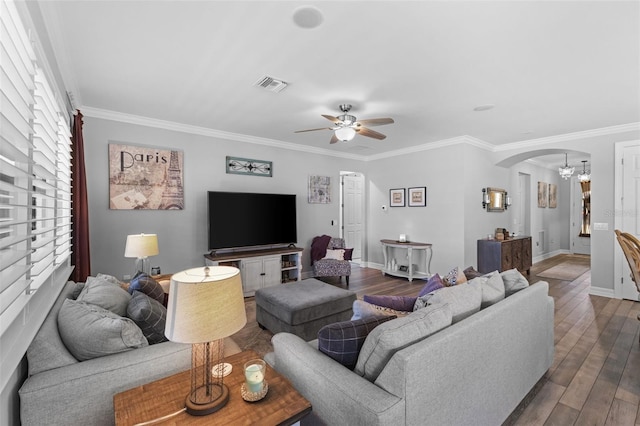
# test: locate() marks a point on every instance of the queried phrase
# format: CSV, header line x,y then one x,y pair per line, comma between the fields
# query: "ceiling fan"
x,y
346,126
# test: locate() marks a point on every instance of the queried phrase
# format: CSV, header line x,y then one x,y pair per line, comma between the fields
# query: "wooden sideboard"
x,y
514,252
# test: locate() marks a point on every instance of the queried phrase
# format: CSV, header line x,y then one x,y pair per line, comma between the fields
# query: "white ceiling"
x,y
549,67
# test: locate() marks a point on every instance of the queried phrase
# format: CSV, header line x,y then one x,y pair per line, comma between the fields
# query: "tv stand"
x,y
261,268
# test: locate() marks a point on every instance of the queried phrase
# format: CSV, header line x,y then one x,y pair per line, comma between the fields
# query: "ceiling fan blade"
x,y
334,138
376,121
332,118
363,131
313,130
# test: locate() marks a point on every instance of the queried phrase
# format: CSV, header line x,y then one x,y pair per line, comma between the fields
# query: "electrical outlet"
x,y
600,226
126,277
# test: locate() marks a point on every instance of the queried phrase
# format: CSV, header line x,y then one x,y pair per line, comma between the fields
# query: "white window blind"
x,y
35,175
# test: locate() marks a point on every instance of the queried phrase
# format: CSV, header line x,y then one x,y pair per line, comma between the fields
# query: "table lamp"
x,y
141,246
205,305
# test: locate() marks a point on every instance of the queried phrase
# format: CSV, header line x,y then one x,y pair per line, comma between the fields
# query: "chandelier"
x,y
566,172
586,174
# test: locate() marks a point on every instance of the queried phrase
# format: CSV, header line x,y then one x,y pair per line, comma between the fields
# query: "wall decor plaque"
x,y
319,189
248,166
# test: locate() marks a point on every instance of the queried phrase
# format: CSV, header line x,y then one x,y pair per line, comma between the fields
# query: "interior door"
x,y
629,220
353,212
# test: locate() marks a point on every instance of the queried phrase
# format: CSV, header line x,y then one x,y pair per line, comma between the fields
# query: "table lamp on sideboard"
x,y
205,305
141,246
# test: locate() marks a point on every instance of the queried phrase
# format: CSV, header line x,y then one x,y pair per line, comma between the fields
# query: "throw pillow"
x,y
107,295
145,284
148,314
454,277
398,303
470,273
362,309
492,288
348,254
464,299
89,331
388,338
434,283
342,341
337,254
513,281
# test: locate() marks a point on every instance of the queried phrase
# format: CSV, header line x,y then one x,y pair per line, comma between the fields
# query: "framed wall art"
x,y
247,166
396,197
319,189
543,195
417,196
145,178
553,196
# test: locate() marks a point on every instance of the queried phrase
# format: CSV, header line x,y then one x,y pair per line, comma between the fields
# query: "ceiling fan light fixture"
x,y
345,134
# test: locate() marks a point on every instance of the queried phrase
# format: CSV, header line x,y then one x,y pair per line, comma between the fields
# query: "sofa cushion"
x,y
89,331
148,314
107,295
492,288
513,281
362,310
434,283
388,338
342,341
398,303
464,299
145,284
454,277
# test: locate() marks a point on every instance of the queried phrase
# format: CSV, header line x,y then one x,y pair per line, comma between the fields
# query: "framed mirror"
x,y
496,199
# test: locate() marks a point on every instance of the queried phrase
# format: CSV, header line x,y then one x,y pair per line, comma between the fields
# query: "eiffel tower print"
x,y
173,194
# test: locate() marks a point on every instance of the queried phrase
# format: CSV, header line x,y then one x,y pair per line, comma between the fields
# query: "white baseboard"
x,y
604,292
549,255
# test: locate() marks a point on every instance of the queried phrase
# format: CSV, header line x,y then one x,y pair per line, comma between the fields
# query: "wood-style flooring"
x,y
595,376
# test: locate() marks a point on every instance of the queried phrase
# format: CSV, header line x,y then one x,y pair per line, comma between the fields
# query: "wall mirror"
x,y
494,199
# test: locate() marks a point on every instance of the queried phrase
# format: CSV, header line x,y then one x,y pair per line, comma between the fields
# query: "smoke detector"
x,y
271,84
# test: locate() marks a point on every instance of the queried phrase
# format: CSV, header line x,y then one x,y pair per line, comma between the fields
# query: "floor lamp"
x,y
205,306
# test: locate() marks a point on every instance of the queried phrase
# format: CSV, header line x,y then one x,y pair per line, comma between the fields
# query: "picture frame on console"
x,y
397,197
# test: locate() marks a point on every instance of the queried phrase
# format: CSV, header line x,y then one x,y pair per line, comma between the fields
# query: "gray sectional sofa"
x,y
63,391
473,372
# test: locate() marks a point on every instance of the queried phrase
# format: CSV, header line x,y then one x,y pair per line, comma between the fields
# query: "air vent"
x,y
271,84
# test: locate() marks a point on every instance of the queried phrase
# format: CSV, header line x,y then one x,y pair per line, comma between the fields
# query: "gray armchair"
x,y
333,267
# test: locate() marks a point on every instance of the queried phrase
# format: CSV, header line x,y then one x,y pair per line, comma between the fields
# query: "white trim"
x,y
618,259
549,255
604,292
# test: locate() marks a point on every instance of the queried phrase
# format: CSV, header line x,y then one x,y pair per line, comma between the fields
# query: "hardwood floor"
x,y
595,376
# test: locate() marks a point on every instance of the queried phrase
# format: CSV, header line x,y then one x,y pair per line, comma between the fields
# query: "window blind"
x,y
35,174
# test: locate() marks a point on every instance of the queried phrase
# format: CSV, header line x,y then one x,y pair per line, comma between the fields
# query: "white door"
x,y
353,213
579,245
629,207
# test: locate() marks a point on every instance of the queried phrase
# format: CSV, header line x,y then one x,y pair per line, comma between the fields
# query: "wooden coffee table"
x,y
283,405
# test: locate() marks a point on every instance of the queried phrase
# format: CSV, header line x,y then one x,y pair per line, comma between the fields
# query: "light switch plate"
x,y
599,226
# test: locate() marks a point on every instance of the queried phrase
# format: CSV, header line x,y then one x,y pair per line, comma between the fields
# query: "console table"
x,y
407,251
283,405
502,255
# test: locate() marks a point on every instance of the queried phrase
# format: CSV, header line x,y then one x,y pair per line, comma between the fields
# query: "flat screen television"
x,y
243,219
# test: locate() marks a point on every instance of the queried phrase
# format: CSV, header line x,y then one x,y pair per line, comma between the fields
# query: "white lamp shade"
x,y
205,304
345,134
141,245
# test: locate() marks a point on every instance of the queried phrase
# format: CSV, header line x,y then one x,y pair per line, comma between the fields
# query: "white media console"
x,y
261,268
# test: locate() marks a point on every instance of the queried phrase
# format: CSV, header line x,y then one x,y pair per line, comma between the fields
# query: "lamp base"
x,y
205,408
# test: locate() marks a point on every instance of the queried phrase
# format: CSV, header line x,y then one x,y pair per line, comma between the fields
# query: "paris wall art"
x,y
145,178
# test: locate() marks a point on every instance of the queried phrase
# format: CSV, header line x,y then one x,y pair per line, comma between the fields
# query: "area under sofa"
x,y
475,371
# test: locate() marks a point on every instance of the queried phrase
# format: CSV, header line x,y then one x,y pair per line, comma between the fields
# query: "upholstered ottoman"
x,y
303,307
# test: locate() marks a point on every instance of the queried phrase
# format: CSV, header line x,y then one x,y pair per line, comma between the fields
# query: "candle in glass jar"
x,y
254,375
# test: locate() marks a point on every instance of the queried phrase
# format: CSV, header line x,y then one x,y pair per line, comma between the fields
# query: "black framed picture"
x,y
418,196
396,197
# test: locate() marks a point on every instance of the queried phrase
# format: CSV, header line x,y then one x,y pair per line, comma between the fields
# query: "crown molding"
x,y
203,131
585,134
465,139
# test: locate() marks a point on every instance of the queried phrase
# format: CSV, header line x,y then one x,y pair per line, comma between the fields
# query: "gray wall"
x,y
182,234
